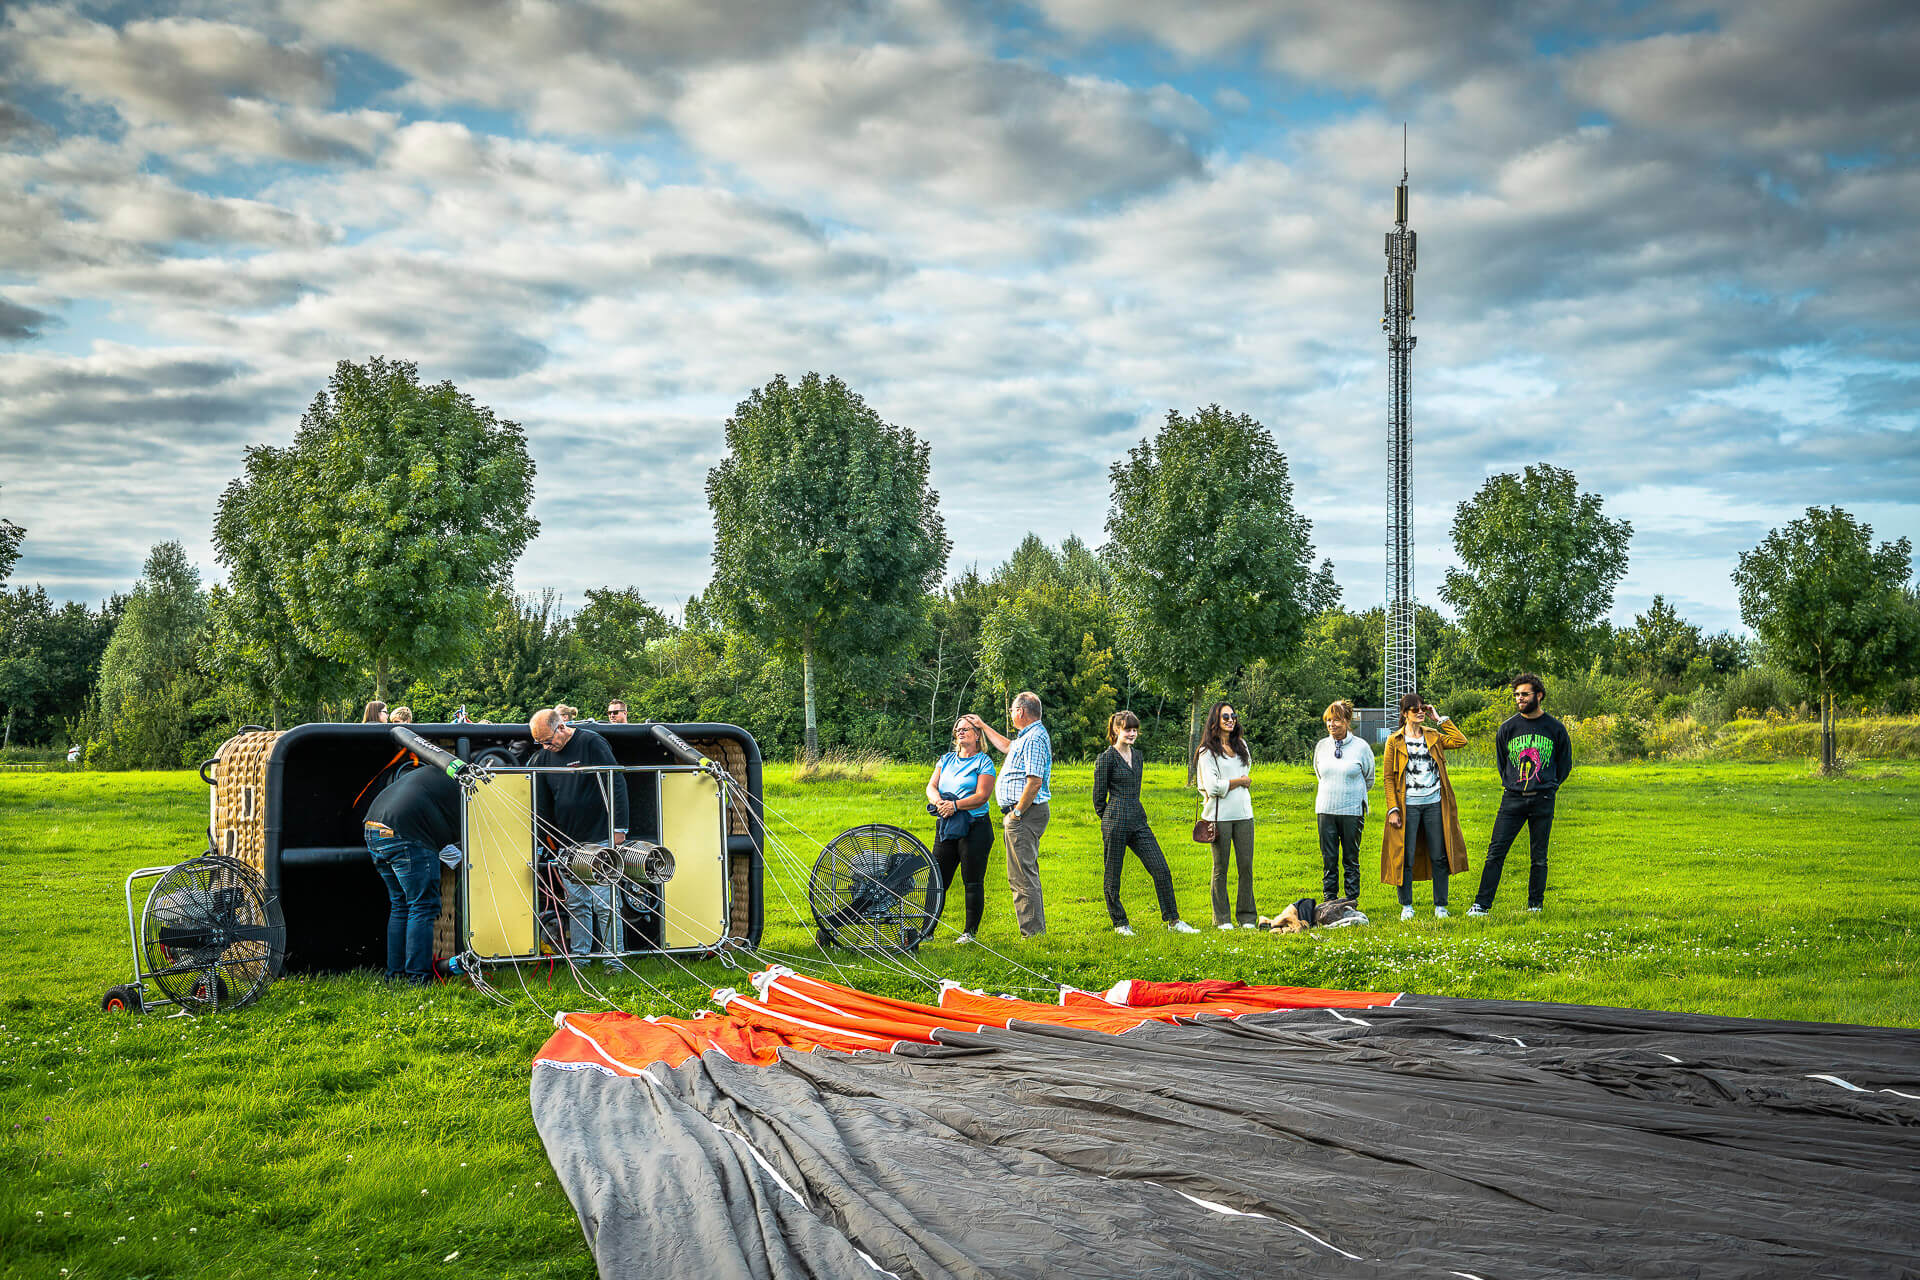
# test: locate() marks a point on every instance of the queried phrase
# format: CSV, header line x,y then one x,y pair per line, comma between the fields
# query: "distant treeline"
x,y
373,557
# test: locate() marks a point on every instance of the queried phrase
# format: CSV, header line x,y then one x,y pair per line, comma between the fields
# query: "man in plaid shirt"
x,y
1023,792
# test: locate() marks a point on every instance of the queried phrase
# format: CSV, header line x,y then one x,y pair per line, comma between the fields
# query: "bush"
x,y
1759,690
1673,706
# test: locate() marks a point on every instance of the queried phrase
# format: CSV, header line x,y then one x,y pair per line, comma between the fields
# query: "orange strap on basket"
x,y
382,769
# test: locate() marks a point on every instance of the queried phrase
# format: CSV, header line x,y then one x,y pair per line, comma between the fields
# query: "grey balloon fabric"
x,y
1433,1138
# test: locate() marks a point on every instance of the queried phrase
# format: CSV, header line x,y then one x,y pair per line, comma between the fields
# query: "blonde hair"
x,y
1338,709
979,738
1116,722
400,715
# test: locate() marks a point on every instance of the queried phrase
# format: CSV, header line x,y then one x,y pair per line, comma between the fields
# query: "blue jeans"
x,y
411,872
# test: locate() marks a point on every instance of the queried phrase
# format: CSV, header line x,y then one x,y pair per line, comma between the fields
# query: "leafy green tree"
x,y
152,675
256,649
387,522
1660,647
1212,566
11,536
1540,562
1090,700
524,658
612,632
827,536
26,614
1831,607
1012,650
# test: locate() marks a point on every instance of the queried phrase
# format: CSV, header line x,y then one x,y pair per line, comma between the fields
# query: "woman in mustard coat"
x,y
1422,839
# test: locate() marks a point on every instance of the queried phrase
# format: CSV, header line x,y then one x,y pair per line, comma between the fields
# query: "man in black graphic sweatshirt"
x,y
1534,756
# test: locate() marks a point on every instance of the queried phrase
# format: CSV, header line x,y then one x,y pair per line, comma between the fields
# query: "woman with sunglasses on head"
x,y
1223,770
957,792
1344,766
1117,775
1422,840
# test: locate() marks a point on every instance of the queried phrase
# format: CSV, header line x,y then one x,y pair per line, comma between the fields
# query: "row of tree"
x,y
375,553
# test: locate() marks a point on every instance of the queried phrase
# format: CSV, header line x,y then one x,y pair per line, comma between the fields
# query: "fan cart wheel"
x,y
121,1000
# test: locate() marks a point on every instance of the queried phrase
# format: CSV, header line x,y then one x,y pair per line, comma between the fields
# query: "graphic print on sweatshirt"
x,y
1528,756
1423,776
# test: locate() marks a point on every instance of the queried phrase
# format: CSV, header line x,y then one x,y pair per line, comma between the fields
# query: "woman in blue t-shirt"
x,y
957,791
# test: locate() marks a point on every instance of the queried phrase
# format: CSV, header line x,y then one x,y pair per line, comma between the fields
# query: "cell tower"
x,y
1397,320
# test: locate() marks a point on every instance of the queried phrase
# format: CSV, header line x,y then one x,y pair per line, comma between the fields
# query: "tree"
x,y
256,648
25,617
387,522
826,535
1212,566
152,674
1660,647
1540,561
612,632
11,535
1831,607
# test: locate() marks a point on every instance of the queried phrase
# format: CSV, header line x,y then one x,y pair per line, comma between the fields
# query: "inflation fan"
x,y
875,887
209,937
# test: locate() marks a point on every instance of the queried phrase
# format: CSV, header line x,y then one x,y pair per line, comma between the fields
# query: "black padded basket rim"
x,y
208,988
933,904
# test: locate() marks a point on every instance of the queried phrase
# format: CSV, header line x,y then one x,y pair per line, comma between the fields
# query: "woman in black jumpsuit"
x,y
1123,822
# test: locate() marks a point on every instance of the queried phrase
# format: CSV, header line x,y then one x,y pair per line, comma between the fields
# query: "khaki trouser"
x,y
1023,867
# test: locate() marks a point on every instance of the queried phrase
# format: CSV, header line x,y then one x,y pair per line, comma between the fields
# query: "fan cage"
x,y
875,887
211,937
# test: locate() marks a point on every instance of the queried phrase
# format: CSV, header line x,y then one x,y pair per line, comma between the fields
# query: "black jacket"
x,y
575,803
423,805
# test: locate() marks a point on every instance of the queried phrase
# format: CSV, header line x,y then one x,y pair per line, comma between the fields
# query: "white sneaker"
x,y
1224,928
1477,910
964,940
1441,913
1406,912
1181,926
1124,930
1246,926
1533,911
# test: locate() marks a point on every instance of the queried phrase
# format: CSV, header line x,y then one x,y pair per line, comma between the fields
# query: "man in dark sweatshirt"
x,y
576,808
1534,756
406,826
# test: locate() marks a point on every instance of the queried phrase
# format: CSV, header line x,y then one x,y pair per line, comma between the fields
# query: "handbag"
x,y
1206,829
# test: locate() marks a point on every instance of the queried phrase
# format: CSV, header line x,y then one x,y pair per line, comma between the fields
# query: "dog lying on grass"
x,y
1308,913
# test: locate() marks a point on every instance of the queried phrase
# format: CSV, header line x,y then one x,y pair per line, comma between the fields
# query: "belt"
x,y
380,827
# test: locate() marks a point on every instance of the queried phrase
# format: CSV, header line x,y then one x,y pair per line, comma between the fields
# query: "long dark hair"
x,y
1218,740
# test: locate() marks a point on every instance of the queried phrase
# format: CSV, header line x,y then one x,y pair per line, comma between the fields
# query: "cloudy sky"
x,y
1669,246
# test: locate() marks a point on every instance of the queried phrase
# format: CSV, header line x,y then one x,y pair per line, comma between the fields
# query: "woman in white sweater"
x,y
1222,770
1344,766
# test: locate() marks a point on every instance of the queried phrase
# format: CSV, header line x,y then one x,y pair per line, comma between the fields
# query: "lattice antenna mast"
x,y
1398,667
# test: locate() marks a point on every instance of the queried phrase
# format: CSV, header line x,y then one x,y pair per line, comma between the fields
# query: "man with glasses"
x,y
576,807
1023,793
616,712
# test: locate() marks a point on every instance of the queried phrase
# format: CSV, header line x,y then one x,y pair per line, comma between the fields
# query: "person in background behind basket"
x,y
1223,770
957,793
1117,776
1344,767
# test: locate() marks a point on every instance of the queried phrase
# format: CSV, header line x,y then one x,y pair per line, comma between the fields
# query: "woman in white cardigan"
x,y
1344,767
1222,770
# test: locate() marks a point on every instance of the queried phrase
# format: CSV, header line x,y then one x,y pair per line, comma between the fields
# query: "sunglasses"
x,y
1339,745
1228,716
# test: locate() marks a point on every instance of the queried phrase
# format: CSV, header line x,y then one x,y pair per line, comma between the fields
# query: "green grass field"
x,y
343,1128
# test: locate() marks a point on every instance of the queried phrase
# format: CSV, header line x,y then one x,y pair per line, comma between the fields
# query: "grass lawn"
x,y
344,1128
